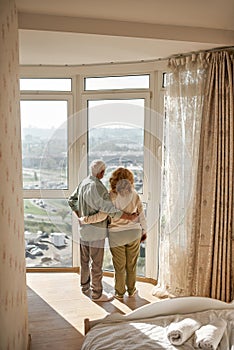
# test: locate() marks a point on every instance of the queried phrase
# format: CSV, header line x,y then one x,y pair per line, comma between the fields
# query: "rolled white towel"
x,y
210,335
179,332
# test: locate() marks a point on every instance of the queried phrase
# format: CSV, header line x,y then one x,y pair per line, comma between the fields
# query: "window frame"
x,y
78,151
55,193
52,193
117,95
123,94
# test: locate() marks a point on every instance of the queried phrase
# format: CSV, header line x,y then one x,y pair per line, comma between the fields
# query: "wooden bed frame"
x,y
88,324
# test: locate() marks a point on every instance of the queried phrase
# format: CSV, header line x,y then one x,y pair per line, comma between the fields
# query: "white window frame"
x,y
56,193
116,96
78,149
151,258
51,193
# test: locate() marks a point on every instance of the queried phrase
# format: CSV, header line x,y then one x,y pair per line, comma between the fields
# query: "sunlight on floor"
x,y
61,291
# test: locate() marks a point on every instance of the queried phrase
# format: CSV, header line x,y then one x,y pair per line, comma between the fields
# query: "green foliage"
x,y
32,208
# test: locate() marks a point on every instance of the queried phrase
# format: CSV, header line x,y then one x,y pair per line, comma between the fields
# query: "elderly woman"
x,y
124,235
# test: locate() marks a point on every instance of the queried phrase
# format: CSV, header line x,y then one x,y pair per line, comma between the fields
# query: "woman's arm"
x,y
92,219
100,216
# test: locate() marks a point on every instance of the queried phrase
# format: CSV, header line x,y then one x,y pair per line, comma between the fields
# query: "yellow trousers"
x,y
125,262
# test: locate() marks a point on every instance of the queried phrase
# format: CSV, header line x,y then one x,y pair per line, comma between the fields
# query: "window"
x,y
164,80
117,83
39,84
45,160
116,133
48,238
44,144
66,123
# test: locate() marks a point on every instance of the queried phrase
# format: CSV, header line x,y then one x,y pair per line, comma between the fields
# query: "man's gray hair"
x,y
97,166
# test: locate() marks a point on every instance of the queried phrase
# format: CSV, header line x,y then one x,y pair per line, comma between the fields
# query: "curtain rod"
x,y
223,48
134,62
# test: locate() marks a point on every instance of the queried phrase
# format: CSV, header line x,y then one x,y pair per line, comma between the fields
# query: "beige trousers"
x,y
91,260
125,261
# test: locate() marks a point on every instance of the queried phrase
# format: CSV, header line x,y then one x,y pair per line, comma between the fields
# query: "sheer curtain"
x,y
184,103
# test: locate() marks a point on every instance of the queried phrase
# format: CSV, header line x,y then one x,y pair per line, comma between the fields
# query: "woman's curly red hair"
x,y
122,180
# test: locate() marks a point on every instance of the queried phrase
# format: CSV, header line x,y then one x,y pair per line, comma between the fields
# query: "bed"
x,y
149,326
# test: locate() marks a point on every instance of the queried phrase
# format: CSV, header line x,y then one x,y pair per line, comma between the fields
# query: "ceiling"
x,y
78,32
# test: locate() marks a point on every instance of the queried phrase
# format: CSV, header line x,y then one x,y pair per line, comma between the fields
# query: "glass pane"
x,y
48,238
164,80
44,144
116,135
38,84
141,260
113,83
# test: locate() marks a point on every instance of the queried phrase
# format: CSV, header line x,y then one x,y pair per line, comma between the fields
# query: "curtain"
x,y
213,219
184,103
13,292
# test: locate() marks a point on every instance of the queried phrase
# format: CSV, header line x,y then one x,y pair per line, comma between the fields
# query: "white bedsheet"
x,y
118,332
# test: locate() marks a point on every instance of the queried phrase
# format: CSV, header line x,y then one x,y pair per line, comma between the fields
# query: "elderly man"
x,y
90,197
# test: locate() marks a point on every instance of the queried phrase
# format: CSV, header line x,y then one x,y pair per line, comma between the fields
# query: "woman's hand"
x,y
81,220
130,217
134,217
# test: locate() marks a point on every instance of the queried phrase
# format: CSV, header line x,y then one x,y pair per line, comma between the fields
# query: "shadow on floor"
x,y
133,303
48,329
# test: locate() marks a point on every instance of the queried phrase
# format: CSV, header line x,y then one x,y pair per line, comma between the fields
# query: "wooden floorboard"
x,y
57,308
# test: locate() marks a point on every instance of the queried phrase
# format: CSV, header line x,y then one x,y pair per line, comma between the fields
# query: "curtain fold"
x,y
213,220
184,103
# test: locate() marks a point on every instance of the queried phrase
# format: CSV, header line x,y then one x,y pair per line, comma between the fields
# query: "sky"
x,y
50,114
43,114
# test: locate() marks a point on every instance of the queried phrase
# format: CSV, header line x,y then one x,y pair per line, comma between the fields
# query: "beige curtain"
x,y
13,293
213,220
184,103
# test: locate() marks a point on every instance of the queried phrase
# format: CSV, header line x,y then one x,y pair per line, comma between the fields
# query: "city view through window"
x,y
115,133
48,238
44,144
48,227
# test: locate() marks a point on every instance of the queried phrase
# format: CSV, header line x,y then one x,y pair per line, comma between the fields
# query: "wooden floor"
x,y
57,309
